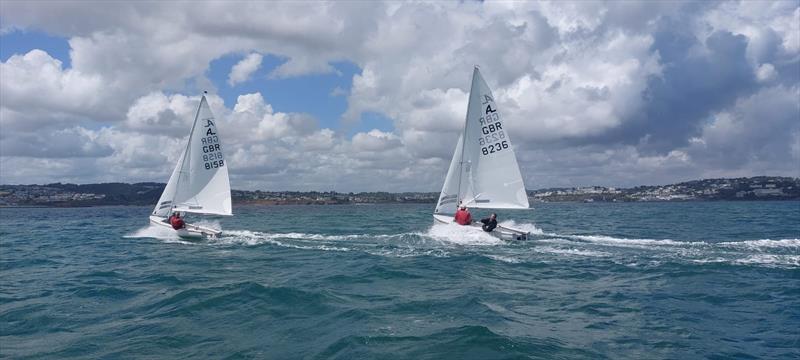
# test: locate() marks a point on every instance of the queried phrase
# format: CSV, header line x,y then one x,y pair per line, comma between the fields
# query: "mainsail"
x,y
199,183
484,171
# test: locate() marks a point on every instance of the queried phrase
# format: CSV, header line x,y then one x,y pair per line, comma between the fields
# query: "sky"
x,y
371,96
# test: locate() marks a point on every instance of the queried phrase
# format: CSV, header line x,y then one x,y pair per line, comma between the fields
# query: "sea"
x,y
685,280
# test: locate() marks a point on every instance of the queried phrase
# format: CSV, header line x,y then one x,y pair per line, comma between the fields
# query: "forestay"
x,y
484,171
199,183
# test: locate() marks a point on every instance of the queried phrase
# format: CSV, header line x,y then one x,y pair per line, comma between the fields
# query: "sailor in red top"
x,y
176,221
463,217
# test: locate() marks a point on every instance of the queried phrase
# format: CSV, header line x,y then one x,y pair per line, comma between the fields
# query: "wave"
x,y
506,259
281,301
458,342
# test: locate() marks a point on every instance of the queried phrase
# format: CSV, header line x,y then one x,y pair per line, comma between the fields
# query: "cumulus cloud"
x,y
759,131
592,93
302,66
254,120
157,113
65,143
37,82
375,140
242,71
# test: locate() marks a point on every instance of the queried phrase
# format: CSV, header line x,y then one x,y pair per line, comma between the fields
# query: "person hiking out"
x,y
489,223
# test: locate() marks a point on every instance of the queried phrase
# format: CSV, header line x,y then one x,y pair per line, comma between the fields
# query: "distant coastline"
x,y
759,188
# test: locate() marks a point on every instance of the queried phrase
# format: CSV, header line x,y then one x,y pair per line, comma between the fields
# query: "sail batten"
x,y
483,172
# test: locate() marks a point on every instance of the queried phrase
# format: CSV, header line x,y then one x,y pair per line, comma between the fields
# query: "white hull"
x,y
501,232
191,231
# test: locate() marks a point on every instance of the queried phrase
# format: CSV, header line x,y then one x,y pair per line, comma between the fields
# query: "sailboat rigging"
x,y
483,172
199,183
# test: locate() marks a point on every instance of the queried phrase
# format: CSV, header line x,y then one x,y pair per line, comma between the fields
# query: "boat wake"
x,y
157,232
780,253
753,245
167,234
390,245
448,240
461,235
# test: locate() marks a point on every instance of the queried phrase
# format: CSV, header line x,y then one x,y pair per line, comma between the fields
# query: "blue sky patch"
x,y
313,94
323,96
21,42
372,120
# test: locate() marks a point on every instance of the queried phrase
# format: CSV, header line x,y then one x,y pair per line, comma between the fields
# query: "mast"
x,y
464,140
188,147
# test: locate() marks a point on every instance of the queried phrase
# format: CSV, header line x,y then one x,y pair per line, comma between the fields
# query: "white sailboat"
x,y
199,184
483,173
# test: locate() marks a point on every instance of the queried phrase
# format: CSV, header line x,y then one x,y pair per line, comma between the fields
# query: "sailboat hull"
x,y
502,232
191,231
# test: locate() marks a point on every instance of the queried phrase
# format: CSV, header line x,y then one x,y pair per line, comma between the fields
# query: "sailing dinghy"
x,y
199,184
483,173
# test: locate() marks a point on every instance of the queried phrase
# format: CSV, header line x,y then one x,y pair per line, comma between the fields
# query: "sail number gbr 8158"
x,y
212,153
492,139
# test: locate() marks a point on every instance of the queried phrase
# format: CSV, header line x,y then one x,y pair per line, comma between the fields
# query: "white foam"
x,y
609,240
526,227
252,238
572,251
746,244
160,233
441,240
370,244
152,231
409,252
461,235
770,260
763,244
305,236
505,259
711,260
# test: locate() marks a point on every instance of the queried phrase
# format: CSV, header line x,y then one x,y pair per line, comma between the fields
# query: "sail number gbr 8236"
x,y
492,139
212,153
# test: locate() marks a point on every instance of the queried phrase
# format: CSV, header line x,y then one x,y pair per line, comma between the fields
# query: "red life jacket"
x,y
463,217
176,222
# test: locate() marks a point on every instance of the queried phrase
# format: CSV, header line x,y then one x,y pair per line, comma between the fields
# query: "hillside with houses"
x,y
753,188
147,193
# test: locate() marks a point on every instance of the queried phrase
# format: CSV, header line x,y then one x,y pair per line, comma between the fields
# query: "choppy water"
x,y
662,280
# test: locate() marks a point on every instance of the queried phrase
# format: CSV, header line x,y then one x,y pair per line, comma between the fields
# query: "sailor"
x,y
463,217
176,221
489,223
